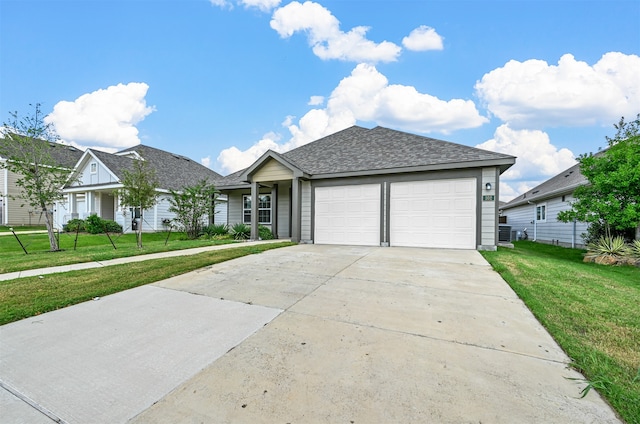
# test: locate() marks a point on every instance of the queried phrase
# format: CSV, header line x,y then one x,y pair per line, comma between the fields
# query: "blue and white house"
x,y
97,176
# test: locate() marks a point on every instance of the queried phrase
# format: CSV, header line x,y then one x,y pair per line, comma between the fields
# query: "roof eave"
x,y
502,162
545,196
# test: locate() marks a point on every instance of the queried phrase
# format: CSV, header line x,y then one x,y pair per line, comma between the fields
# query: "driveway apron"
x,y
304,334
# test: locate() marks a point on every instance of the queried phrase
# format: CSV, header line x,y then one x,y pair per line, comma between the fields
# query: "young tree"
x,y
612,196
27,149
191,205
139,190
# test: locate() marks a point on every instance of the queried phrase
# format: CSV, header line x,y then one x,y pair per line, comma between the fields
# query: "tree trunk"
x,y
638,231
48,221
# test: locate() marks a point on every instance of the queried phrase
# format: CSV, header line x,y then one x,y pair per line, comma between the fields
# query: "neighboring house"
x,y
98,175
537,211
376,187
17,211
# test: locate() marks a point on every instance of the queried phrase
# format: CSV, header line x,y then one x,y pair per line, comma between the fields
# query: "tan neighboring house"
x,y
17,211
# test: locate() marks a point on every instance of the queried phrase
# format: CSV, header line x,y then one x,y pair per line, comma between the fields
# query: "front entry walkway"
x,y
351,334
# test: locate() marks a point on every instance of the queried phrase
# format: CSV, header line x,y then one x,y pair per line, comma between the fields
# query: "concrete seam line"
x,y
32,403
424,336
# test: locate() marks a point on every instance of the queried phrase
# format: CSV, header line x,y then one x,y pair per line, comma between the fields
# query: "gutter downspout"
x,y
573,235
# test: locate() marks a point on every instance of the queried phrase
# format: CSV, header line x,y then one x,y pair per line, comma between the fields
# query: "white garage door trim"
x,y
347,215
435,213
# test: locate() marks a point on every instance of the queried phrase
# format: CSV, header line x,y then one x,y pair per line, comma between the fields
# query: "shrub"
x,y
265,233
634,248
614,246
74,225
240,231
215,230
97,225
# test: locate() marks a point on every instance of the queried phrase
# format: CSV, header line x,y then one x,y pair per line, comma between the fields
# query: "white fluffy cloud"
x,y
423,38
365,95
326,38
105,118
537,158
534,93
264,5
316,100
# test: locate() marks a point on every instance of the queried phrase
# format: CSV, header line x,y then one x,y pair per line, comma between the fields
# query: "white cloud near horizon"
x,y
423,38
104,119
365,95
537,158
326,38
572,93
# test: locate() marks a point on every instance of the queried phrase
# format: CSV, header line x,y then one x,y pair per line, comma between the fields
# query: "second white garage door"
x,y
438,213
348,215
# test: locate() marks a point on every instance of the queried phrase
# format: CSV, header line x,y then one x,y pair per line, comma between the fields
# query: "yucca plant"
x,y
608,245
634,248
240,231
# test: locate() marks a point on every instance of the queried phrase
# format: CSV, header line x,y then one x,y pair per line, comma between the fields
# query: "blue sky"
x,y
221,81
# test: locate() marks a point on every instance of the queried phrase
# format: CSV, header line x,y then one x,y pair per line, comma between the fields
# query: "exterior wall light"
x,y
488,186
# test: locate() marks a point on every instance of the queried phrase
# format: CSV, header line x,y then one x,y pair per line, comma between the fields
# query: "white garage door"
x,y
438,213
348,215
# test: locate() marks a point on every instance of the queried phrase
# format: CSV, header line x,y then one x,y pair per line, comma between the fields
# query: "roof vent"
x,y
535,192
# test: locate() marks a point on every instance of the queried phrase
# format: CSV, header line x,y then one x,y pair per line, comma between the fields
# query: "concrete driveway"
x,y
305,334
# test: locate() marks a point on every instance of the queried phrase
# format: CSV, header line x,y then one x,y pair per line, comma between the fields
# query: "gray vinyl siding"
x,y
283,210
221,211
305,216
551,230
488,208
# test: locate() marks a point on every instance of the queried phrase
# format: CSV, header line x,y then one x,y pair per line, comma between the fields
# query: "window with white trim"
x,y
94,167
541,212
264,209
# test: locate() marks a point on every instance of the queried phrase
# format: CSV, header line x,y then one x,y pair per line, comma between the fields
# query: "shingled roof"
x,y
174,172
563,183
62,154
358,150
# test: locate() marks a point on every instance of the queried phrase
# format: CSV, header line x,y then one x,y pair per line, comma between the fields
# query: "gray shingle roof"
x,y
62,154
360,149
173,171
380,149
563,183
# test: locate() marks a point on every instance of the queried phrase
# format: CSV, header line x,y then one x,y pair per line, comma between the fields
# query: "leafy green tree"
x,y
139,190
191,205
611,199
27,149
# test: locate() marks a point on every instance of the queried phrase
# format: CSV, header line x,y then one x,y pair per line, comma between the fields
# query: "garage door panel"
x,y
348,215
433,213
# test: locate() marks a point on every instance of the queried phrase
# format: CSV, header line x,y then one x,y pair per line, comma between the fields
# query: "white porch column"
x,y
254,211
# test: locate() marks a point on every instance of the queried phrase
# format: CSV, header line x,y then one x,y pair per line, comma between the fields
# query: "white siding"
x,y
86,178
305,216
221,211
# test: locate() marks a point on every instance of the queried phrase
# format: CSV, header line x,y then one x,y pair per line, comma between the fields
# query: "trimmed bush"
x,y
265,233
74,225
96,225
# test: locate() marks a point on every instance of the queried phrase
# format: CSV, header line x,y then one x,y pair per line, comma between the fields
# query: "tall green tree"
x,y
612,197
26,146
139,190
191,205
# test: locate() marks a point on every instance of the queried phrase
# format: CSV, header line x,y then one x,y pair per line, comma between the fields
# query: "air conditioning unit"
x,y
504,233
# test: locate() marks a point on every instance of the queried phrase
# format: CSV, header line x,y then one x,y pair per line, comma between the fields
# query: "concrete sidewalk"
x,y
128,259
302,334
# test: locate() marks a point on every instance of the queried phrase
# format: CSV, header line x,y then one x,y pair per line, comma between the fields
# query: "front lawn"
x,y
89,248
592,311
25,297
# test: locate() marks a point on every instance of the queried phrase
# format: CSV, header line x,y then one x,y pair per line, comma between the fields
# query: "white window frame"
x,y
541,212
93,167
246,208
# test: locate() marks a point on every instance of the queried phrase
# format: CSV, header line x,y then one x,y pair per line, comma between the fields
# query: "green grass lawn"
x,y
88,248
20,228
592,311
25,297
